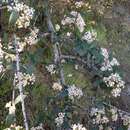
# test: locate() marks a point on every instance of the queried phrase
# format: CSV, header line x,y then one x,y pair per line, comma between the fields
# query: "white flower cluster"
x,y
10,57
26,79
60,119
90,36
107,64
25,13
74,92
78,127
99,116
114,114
40,127
57,27
14,127
51,68
68,34
75,19
11,107
126,120
6,56
57,86
79,4
2,69
115,82
32,38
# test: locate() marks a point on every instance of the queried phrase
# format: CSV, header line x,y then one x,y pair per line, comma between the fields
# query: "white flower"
x,y
114,114
77,19
1,51
14,127
25,79
8,104
100,127
115,82
116,92
2,69
126,120
98,116
18,127
25,14
51,68
107,64
90,36
114,117
57,86
60,119
69,75
76,67
79,4
67,20
33,37
105,53
12,109
74,92
57,27
68,34
63,61
94,111
8,57
39,127
114,62
78,127
104,120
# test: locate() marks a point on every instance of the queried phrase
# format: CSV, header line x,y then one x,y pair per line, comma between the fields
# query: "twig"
x,y
86,63
73,58
119,110
20,87
56,47
13,93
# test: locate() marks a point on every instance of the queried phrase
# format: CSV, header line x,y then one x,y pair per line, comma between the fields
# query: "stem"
x,y
119,110
13,93
56,47
20,87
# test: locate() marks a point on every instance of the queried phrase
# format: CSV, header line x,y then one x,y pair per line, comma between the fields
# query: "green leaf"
x,y
13,17
18,99
81,48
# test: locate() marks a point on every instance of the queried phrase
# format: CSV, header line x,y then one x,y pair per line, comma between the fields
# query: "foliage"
x,y
55,69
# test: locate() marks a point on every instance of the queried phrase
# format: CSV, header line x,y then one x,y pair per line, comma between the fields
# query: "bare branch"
x,y
20,87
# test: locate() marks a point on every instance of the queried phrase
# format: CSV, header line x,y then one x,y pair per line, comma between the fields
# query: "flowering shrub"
x,y
74,92
114,80
78,127
25,13
13,127
60,119
36,51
